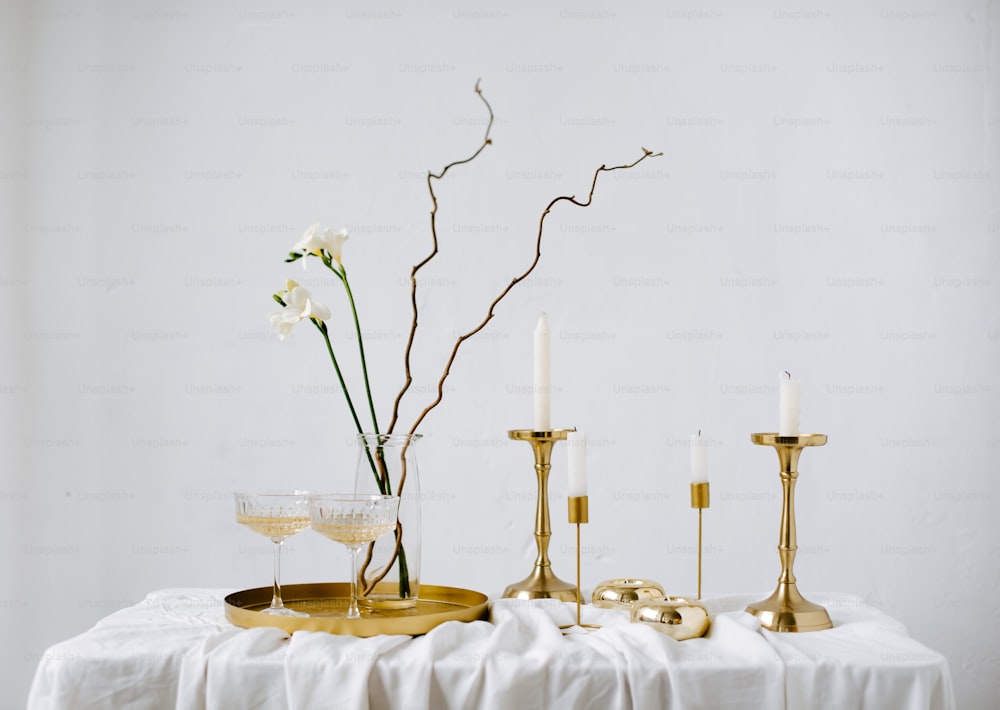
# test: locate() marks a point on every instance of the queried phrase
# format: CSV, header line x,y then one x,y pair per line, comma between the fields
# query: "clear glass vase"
x,y
389,577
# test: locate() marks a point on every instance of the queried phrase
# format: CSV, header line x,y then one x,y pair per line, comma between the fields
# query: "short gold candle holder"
x,y
786,609
579,514
542,583
623,593
679,618
699,500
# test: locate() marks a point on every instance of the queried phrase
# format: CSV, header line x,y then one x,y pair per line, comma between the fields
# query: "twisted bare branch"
x,y
434,238
517,279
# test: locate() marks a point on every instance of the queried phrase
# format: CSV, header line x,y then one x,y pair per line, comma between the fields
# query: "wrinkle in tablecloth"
x,y
175,649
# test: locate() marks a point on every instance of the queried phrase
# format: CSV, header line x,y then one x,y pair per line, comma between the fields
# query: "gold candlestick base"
x,y
786,609
542,583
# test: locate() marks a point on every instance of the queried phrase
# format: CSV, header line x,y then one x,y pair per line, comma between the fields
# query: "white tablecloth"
x,y
175,649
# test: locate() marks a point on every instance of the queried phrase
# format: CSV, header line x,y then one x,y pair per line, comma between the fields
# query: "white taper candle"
x,y
543,376
788,405
699,459
576,455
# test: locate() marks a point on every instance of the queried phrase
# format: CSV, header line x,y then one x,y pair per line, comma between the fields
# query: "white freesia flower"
x,y
283,327
310,242
315,242
334,241
299,306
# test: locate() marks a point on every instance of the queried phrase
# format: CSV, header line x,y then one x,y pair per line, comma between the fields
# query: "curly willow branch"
x,y
516,280
489,313
462,338
434,238
370,584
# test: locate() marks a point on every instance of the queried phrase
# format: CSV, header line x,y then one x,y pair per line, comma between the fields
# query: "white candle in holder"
x,y
576,456
788,405
543,377
699,459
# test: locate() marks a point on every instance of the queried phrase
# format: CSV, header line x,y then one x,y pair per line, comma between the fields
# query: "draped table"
x,y
176,649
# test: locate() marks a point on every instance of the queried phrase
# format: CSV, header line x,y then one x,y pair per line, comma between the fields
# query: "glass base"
x,y
387,601
282,611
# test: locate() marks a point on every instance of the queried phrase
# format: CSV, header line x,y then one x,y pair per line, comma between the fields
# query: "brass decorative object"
x,y
786,609
677,617
542,583
699,500
579,513
624,593
327,603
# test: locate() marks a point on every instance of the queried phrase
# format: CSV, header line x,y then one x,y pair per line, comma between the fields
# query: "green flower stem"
x,y
361,348
404,574
341,273
386,483
321,327
383,482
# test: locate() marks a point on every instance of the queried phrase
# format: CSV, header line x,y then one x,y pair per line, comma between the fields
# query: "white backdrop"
x,y
827,203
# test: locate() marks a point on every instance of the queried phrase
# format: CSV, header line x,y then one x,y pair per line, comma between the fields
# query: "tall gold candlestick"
x,y
542,583
579,513
786,609
699,500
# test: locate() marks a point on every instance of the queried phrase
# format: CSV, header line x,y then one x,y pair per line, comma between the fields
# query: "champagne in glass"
x,y
277,516
354,521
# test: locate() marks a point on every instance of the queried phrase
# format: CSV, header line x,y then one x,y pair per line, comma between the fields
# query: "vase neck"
x,y
375,440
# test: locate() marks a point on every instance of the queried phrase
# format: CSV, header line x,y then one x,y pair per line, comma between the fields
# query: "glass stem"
x,y
352,612
276,602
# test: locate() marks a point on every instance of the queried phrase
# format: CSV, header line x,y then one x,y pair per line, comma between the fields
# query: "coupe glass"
x,y
277,516
354,521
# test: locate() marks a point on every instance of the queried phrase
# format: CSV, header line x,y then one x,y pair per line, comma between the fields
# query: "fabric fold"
x,y
175,649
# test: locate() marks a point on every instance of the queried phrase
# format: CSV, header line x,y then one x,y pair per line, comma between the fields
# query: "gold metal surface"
x,y
542,583
677,617
786,609
578,514
699,500
623,593
699,495
327,602
579,510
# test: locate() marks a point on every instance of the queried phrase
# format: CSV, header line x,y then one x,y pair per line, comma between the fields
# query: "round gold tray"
x,y
327,602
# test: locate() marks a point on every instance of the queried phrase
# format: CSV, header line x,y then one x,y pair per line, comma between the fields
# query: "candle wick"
x,y
788,374
699,433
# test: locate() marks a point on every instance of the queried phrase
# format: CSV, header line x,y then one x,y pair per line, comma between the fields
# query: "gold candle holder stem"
x,y
700,500
699,554
578,574
542,583
786,609
787,537
579,513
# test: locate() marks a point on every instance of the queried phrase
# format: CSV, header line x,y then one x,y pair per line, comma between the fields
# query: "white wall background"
x,y
827,203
